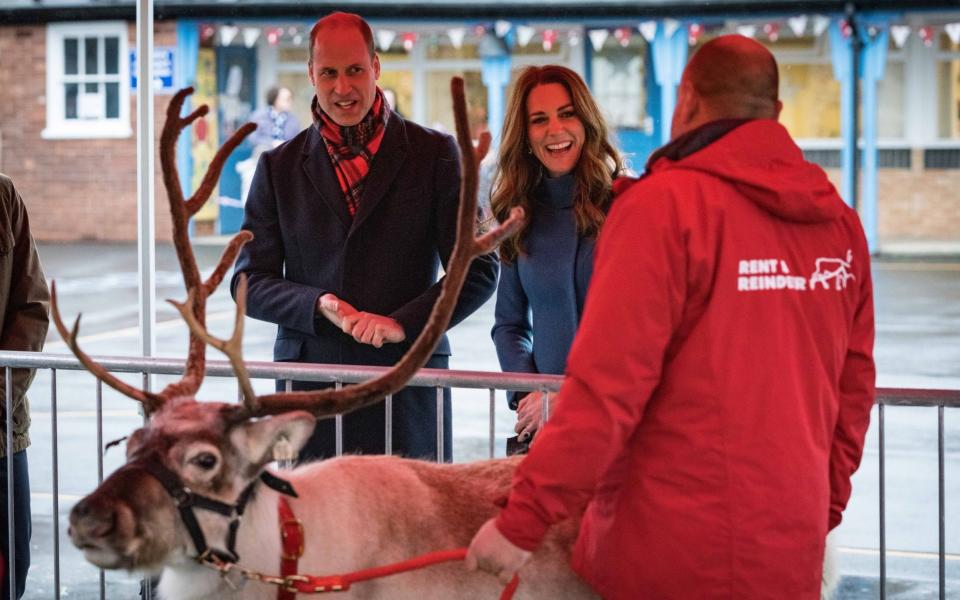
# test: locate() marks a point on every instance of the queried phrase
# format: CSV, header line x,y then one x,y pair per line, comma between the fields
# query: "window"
x,y
948,88
88,80
619,74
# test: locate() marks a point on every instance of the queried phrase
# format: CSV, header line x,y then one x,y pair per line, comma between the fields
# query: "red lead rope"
x,y
291,533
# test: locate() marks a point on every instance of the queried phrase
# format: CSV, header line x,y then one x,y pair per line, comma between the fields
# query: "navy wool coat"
x,y
384,260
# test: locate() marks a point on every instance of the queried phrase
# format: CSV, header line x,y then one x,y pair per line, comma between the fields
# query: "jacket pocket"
x,y
287,349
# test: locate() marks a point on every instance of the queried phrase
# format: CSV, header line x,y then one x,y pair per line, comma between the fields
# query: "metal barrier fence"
x,y
437,378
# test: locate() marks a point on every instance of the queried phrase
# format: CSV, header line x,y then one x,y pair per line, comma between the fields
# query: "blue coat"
x,y
541,293
384,260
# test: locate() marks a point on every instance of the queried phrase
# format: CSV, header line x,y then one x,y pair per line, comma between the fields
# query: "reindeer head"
x,y
211,456
192,456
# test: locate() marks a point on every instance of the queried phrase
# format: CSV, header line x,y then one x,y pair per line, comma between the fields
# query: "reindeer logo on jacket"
x,y
835,269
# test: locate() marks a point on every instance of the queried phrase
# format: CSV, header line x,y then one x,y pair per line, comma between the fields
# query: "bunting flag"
x,y
747,30
846,30
549,37
598,37
926,34
385,39
772,30
250,36
953,32
573,38
798,24
456,35
273,35
408,40
525,33
228,33
820,24
648,29
502,28
899,33
622,35
693,33
207,32
670,26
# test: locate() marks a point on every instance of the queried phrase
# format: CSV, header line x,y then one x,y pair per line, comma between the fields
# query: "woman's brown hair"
x,y
519,172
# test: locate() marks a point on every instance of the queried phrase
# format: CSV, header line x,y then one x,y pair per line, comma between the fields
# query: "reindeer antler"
x,y
328,402
181,210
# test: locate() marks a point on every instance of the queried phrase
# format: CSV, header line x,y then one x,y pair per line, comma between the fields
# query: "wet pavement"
x,y
918,345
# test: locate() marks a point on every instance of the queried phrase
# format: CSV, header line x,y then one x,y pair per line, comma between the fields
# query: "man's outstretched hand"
x,y
490,551
365,327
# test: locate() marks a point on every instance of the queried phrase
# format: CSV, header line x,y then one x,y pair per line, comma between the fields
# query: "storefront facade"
x,y
67,98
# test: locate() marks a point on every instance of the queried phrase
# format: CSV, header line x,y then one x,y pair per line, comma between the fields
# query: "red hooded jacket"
x,y
720,385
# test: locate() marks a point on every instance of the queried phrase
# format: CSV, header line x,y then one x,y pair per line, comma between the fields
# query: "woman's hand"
x,y
529,414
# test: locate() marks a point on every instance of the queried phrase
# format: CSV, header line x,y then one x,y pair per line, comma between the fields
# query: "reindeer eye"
x,y
205,460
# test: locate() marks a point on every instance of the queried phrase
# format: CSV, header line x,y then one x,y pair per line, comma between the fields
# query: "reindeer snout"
x,y
91,520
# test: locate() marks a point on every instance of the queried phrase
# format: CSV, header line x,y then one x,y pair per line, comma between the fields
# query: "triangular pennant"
x,y
250,36
227,34
820,24
747,30
525,33
798,24
953,32
502,28
648,29
385,39
669,27
598,38
456,36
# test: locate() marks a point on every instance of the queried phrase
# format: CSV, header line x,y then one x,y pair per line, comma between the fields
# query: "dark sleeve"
x,y
270,296
27,316
481,280
857,396
512,328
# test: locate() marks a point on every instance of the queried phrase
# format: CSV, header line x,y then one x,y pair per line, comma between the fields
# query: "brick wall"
x,y
916,203
74,189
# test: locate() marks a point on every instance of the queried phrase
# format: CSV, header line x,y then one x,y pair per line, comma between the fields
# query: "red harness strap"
x,y
291,535
291,538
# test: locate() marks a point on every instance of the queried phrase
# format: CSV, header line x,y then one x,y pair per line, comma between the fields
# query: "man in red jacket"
x,y
720,386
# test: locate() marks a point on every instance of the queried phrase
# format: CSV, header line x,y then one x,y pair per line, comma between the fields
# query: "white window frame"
x,y
58,126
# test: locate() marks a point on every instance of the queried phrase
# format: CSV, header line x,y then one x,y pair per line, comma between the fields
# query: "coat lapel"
x,y
386,164
319,170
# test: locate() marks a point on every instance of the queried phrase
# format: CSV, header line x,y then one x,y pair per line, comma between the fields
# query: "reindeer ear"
x,y
255,439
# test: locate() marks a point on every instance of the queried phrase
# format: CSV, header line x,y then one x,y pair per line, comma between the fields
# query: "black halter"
x,y
186,500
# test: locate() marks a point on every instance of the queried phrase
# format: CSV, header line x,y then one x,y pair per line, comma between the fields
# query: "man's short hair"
x,y
342,19
736,76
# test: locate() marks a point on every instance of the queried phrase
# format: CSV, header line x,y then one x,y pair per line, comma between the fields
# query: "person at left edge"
x,y
351,220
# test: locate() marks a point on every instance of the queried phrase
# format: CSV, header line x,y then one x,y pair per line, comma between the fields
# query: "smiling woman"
x,y
556,162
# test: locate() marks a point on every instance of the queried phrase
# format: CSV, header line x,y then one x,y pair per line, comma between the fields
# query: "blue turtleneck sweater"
x,y
540,295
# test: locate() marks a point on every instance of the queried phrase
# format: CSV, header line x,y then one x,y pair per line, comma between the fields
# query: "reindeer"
x,y
196,468
832,268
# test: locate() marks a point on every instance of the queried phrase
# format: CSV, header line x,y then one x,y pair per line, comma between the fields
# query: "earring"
x,y
529,150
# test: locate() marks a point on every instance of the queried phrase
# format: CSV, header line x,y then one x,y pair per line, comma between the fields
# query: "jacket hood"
x,y
762,161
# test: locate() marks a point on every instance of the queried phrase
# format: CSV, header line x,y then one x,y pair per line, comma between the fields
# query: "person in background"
x,y
275,123
557,163
391,97
720,386
352,219
24,317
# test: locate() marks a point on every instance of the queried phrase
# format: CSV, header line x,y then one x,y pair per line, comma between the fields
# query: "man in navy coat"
x,y
351,220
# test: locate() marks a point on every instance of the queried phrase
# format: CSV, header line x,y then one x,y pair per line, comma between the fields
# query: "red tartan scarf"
x,y
351,149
